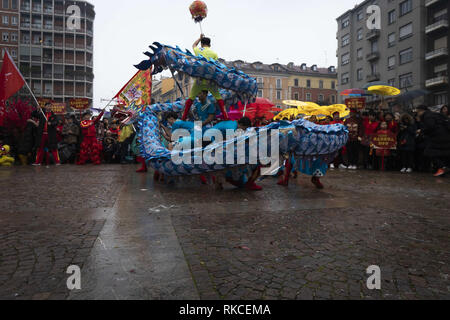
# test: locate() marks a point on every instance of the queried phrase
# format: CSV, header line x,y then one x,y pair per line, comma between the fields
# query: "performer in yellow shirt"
x,y
202,84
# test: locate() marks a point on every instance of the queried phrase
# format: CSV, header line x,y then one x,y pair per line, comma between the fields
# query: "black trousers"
x,y
353,148
407,159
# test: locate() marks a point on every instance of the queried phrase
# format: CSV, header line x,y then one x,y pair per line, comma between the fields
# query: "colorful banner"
x,y
356,103
137,90
44,101
384,141
59,108
79,104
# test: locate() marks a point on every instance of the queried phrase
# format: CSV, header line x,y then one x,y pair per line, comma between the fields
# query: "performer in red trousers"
x,y
46,135
90,147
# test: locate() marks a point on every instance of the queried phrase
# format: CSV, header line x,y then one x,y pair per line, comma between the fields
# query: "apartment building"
x,y
52,43
408,52
9,28
276,82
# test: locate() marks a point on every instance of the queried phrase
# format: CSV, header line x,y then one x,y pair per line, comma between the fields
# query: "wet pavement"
x,y
134,239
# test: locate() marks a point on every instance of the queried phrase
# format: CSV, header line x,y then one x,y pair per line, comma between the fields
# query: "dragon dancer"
x,y
90,147
202,84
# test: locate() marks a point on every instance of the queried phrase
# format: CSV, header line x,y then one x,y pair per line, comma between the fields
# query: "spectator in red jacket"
x,y
391,123
370,125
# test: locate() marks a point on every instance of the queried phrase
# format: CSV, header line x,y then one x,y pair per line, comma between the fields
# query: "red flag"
x,y
11,79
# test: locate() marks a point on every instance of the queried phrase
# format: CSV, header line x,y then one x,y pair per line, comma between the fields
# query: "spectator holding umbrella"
x,y
407,143
436,128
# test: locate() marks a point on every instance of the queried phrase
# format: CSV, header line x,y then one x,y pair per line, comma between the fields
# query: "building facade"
x,y
9,28
413,32
276,82
54,47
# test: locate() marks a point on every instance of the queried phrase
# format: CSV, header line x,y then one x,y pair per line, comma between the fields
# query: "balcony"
x,y
70,45
36,26
58,28
48,43
59,11
47,59
37,9
48,10
48,92
25,41
373,56
260,84
373,34
47,75
58,76
25,25
25,8
443,80
442,52
90,33
439,25
373,77
90,48
429,3
48,26
89,64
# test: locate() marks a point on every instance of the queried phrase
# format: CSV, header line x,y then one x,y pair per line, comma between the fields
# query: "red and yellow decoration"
x,y
79,104
199,11
137,90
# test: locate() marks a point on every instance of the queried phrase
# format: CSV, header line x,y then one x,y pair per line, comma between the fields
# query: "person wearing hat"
x,y
436,127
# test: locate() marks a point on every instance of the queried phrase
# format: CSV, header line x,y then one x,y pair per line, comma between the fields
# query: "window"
x,y
359,35
359,74
296,96
14,53
406,56
320,98
346,40
359,16
14,21
345,78
405,7
391,40
13,4
260,93
392,16
308,83
278,83
5,36
5,4
345,59
308,97
296,83
14,37
374,68
278,94
406,31
321,84
441,98
391,62
391,82
345,23
333,85
406,80
5,20
374,46
333,99
359,54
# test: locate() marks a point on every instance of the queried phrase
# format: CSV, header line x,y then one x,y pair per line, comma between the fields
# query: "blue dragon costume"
x,y
307,143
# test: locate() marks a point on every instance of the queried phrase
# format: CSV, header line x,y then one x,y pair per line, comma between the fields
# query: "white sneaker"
x,y
354,168
341,166
409,170
331,166
403,170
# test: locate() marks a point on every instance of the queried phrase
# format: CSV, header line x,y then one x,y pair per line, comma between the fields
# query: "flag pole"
x,y
34,97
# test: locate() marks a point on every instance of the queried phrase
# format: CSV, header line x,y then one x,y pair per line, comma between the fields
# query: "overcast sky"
x,y
299,31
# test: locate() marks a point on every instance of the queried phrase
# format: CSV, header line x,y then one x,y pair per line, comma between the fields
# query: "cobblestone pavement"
x,y
135,239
